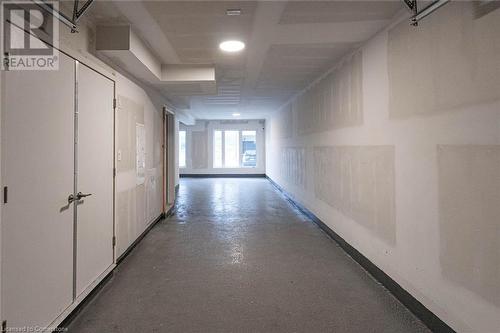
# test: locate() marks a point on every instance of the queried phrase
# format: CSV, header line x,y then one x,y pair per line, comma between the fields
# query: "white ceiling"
x,y
289,44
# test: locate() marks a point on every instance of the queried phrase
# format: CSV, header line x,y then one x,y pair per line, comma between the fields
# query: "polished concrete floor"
x,y
237,257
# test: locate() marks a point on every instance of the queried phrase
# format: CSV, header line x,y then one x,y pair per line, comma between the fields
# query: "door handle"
x,y
80,195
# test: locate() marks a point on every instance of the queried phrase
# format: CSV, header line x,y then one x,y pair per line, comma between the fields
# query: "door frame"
x,y
169,159
164,152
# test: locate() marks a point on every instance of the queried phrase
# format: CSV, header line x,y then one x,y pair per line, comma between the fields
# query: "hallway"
x,y
238,257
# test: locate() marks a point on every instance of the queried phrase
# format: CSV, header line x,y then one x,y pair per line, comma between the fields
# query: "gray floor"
x,y
237,257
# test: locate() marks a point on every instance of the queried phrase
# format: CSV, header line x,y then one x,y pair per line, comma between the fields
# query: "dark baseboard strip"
x,y
418,309
144,233
221,175
65,323
171,210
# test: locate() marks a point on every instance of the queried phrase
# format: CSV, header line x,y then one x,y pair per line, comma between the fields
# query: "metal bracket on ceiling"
x,y
78,13
420,14
70,22
411,5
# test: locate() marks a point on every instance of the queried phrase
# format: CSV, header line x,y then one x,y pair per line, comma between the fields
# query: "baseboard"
x,y
418,309
73,310
171,210
222,175
142,235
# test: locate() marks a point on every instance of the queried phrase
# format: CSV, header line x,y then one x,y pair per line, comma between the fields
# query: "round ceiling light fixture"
x,y
232,46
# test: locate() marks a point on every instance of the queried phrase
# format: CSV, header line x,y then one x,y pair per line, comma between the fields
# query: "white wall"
x,y
204,164
398,151
137,205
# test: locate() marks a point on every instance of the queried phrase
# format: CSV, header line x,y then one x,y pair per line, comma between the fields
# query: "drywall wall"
x,y
138,188
469,197
293,165
199,149
338,92
199,146
448,64
406,167
358,181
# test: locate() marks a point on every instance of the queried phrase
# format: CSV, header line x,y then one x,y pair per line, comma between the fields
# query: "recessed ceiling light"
x,y
236,114
233,12
232,46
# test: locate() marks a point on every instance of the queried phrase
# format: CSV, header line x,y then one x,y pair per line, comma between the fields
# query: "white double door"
x,y
56,141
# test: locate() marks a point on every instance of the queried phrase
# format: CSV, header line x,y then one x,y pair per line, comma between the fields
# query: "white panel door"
x,y
37,221
94,226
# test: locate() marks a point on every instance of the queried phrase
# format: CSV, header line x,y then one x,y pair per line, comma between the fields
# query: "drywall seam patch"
x,y
469,217
293,165
449,62
333,102
359,181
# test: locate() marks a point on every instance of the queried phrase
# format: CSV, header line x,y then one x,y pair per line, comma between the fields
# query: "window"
x,y
217,149
231,149
235,149
248,149
182,149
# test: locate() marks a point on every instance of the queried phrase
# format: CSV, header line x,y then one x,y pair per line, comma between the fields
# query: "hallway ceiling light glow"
x,y
233,12
236,114
232,46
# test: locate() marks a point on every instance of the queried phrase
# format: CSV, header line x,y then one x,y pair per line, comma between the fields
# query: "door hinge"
x,y
5,194
114,241
4,326
114,103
